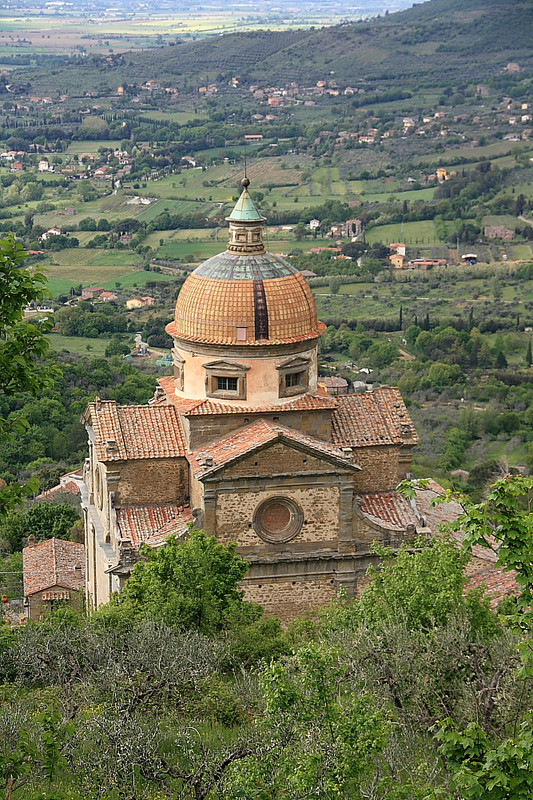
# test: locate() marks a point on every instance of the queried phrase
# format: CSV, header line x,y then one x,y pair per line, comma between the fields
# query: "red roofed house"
x,y
243,440
54,574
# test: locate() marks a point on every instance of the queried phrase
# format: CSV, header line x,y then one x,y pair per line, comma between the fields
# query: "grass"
x,y
79,345
422,232
90,146
139,277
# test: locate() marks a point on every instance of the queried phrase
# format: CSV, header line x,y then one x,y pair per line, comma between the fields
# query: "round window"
x,y
278,519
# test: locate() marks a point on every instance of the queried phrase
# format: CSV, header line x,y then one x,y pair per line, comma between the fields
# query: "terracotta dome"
x,y
246,296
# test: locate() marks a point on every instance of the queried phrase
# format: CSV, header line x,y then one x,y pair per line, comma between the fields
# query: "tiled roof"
x,y
333,381
372,418
152,524
444,513
499,584
390,510
211,309
129,432
69,487
307,402
53,563
247,439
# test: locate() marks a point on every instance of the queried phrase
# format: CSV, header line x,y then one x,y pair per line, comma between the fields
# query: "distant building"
x,y
51,232
90,292
427,263
140,302
398,247
54,575
397,260
334,384
499,232
108,297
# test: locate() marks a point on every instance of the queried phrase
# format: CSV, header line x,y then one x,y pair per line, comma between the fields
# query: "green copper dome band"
x,y
233,267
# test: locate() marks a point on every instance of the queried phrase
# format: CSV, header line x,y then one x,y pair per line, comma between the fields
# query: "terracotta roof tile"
x,y
129,432
444,513
53,563
152,524
247,439
372,418
390,510
499,584
69,487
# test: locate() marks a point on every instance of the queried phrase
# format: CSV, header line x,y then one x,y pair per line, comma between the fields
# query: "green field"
x,y
91,146
423,233
78,344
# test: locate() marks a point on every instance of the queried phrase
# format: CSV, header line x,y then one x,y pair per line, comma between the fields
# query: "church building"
x,y
244,441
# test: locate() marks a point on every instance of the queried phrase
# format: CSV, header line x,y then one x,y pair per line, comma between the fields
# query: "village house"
x,y
499,232
90,292
54,576
140,302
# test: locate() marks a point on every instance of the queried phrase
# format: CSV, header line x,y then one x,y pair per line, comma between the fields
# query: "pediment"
x,y
295,363
225,366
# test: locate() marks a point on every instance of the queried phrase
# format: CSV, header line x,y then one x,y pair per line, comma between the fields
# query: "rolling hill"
x,y
437,42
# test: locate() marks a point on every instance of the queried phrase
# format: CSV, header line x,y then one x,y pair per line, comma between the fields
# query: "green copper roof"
x,y
233,267
245,209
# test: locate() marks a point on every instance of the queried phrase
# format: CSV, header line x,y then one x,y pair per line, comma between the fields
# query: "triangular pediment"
x,y
225,366
294,363
247,443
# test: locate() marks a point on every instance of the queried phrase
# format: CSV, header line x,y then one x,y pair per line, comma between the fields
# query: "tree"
x,y
335,283
42,520
21,345
192,583
424,588
481,767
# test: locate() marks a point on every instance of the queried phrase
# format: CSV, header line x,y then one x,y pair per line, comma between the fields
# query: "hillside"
x,y
429,44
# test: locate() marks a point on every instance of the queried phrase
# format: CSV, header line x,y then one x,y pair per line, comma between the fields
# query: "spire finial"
x,y
245,182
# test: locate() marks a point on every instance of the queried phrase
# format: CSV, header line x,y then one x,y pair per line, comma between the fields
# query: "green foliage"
x,y
191,583
21,345
42,520
481,770
321,739
424,588
503,522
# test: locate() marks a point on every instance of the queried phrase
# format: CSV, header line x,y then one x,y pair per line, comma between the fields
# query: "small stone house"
x,y
54,575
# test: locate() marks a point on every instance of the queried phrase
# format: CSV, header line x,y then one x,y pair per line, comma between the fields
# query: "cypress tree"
x,y
529,358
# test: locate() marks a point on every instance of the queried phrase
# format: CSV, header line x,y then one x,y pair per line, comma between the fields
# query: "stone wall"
x,y
42,603
152,481
291,599
205,428
279,458
379,471
319,504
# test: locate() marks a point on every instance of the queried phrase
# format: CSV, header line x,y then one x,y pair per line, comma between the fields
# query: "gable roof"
x,y
239,443
152,524
54,562
133,432
373,418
